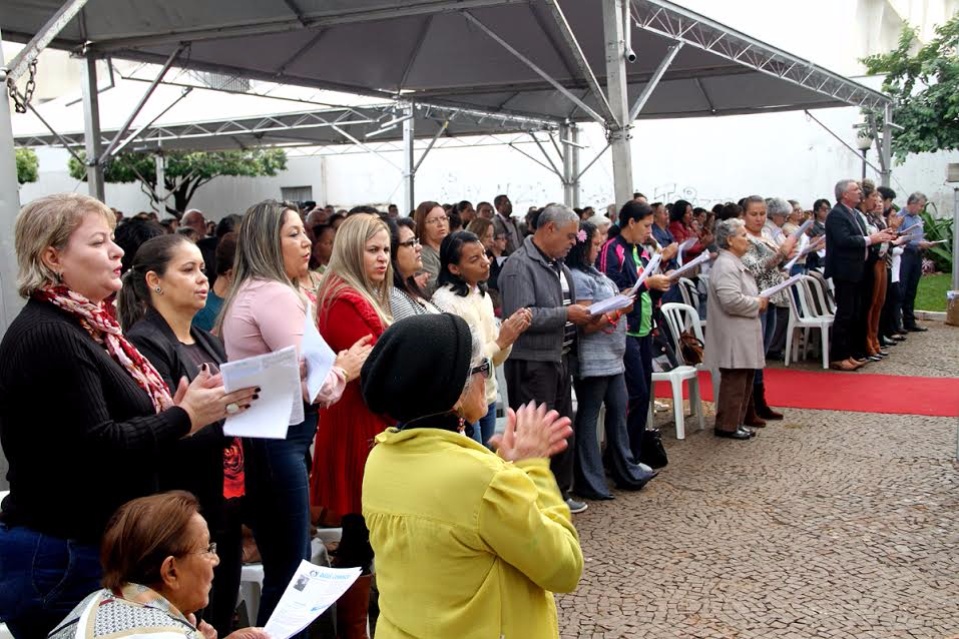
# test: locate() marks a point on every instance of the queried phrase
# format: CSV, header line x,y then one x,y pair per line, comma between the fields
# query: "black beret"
x,y
418,367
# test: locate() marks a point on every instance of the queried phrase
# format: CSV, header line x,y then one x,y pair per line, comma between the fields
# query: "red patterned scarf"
x,y
104,329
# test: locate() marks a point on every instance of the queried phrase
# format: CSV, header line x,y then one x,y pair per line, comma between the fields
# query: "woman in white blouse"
x,y
464,269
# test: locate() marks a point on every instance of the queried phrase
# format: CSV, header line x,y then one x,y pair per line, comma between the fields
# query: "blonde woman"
x,y
265,311
353,305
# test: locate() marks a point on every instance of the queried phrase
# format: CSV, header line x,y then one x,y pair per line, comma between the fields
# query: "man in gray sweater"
x,y
538,368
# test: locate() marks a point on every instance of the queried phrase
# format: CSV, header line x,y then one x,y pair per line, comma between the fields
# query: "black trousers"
x,y
890,321
549,383
849,327
909,274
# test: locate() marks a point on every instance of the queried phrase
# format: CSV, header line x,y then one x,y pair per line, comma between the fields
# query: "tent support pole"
x,y
429,147
60,139
546,155
618,131
91,128
654,81
571,172
409,161
10,302
524,153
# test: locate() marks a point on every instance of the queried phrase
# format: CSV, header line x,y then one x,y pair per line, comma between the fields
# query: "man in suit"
x,y
504,223
847,244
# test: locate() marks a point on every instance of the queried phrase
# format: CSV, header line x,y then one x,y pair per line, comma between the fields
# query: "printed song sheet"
x,y
772,290
312,590
610,304
682,247
280,403
649,270
318,355
675,275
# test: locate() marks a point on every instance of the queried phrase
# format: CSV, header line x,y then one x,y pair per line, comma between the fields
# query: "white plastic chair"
x,y
681,318
803,316
690,295
676,377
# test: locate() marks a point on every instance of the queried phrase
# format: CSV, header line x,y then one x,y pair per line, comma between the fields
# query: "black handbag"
x,y
654,453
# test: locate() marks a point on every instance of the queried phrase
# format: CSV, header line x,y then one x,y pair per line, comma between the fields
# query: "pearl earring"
x,y
158,290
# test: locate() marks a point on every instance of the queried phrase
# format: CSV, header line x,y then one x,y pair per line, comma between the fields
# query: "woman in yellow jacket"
x,y
468,543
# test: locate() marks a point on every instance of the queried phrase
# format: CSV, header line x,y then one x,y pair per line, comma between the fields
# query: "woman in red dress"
x,y
353,302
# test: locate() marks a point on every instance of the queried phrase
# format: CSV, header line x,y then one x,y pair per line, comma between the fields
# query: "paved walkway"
x,y
827,525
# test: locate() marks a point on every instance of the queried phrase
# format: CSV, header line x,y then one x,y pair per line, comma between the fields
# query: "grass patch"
x,y
932,292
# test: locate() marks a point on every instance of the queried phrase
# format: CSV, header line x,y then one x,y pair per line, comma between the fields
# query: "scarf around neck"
x,y
105,330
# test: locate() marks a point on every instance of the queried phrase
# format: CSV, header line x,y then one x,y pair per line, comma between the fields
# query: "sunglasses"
x,y
486,368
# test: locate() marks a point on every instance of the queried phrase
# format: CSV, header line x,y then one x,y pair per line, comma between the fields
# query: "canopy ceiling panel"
x,y
444,51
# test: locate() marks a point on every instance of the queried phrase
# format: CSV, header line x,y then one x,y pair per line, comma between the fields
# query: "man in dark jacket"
x,y
847,246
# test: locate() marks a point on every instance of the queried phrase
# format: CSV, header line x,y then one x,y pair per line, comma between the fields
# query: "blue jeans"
x,y
486,426
42,578
639,388
589,473
278,494
768,320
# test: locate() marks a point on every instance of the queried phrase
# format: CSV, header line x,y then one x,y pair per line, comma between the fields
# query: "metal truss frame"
x,y
676,23
276,125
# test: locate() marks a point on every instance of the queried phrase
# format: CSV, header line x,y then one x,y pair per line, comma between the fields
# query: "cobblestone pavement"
x,y
827,525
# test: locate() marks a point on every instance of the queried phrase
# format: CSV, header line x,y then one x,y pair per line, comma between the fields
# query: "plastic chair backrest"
x,y
820,303
681,318
687,289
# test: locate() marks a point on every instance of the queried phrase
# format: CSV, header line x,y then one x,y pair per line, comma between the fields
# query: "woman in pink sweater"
x,y
265,312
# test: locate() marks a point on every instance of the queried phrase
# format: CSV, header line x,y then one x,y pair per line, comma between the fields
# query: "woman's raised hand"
x,y
206,401
352,359
532,432
513,327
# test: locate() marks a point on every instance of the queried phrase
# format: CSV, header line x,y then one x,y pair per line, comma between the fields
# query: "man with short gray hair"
x,y
538,368
847,246
911,268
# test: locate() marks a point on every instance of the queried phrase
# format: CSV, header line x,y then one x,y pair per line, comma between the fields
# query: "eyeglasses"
x,y
409,243
434,221
486,368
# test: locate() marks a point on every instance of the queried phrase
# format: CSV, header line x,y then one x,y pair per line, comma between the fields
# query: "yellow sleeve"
x,y
525,521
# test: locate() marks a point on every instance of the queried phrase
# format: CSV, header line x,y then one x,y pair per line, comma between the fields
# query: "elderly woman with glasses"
x,y
158,566
734,341
479,541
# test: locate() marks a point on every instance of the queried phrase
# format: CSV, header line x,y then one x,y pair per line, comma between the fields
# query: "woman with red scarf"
x,y
85,420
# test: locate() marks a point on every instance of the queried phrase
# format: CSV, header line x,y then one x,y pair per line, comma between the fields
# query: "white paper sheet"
x,y
312,590
318,355
938,242
610,304
675,275
682,247
801,231
649,270
803,249
280,403
772,290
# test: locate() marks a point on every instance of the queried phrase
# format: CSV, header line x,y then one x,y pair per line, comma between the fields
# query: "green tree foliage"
x,y
185,172
27,165
924,81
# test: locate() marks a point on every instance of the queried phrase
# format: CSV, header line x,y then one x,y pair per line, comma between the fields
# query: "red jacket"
x,y
346,429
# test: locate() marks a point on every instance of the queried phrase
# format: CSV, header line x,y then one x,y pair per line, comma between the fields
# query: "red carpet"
x,y
854,392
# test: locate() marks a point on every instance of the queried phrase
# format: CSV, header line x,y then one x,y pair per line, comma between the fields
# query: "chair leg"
x,y
696,401
825,347
679,414
789,343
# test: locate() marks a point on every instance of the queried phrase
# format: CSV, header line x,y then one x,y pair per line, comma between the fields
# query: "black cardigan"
x,y
81,437
198,465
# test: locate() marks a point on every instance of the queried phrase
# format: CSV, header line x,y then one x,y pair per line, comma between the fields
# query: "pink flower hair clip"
x,y
581,236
